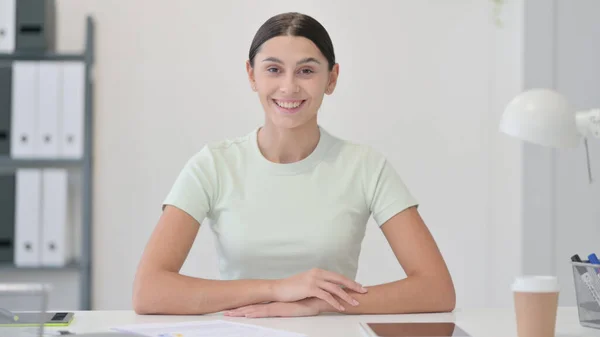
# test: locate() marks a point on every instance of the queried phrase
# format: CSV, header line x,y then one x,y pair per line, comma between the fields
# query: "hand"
x,y
316,283
305,307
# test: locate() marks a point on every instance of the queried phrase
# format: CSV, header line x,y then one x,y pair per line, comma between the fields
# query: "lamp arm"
x,y
588,122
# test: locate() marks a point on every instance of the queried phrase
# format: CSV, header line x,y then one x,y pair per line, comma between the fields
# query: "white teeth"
x,y
289,105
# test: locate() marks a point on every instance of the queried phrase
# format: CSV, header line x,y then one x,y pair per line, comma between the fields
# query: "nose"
x,y
289,84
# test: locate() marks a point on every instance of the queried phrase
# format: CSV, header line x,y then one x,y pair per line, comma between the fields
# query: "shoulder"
x,y
224,149
362,154
231,144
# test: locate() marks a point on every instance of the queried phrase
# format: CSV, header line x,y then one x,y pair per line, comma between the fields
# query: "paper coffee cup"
x,y
536,284
536,304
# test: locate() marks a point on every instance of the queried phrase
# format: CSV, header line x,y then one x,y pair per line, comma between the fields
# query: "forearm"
x,y
176,294
410,295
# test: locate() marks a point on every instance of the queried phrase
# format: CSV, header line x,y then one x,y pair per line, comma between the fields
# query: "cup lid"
x,y
540,284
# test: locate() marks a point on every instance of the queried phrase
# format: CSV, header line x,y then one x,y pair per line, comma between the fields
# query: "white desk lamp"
x,y
544,117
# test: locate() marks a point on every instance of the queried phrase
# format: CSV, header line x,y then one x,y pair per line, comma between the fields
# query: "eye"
x,y
272,70
306,71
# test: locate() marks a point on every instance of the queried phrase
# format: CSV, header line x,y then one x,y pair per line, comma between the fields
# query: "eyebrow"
x,y
304,60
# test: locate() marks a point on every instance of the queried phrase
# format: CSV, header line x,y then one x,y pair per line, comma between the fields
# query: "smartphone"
x,y
423,329
33,319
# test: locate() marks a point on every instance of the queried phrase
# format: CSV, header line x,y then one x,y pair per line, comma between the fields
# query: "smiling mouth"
x,y
289,106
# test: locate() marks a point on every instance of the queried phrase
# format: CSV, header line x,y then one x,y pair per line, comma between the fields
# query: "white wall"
x,y
424,82
560,212
505,160
577,210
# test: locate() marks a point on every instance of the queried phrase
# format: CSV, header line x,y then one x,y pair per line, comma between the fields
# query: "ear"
x,y
250,72
333,77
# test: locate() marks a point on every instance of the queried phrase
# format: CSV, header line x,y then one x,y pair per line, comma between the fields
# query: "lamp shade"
x,y
543,117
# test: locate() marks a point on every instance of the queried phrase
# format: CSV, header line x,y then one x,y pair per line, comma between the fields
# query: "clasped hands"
x,y
306,294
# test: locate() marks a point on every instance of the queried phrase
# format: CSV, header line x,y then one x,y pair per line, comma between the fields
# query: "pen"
x,y
586,278
594,260
8,314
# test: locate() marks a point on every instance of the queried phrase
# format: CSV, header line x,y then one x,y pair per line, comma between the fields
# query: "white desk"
x,y
479,323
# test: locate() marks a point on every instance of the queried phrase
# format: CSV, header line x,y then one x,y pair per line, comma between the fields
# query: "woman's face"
x,y
291,76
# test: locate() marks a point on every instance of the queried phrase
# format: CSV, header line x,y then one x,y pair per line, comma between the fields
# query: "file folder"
x,y
7,217
8,23
73,107
56,232
49,93
5,106
35,25
24,108
28,217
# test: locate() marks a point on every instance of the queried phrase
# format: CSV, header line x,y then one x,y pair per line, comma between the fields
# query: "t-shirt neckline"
x,y
325,142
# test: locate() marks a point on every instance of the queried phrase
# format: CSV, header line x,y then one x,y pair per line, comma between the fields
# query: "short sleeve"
x,y
387,194
193,189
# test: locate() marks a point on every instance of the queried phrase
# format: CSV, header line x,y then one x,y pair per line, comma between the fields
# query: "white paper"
x,y
204,329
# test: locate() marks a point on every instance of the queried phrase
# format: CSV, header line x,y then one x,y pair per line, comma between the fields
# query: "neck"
x,y
288,145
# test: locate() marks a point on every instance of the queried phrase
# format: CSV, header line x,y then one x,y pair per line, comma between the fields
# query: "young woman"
x,y
288,204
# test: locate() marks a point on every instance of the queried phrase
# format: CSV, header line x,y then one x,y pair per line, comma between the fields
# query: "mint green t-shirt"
x,y
274,220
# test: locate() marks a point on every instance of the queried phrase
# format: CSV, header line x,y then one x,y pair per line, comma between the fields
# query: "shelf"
x,y
36,56
10,164
83,266
75,266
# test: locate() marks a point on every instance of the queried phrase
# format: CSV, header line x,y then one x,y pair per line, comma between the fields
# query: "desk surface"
x,y
477,322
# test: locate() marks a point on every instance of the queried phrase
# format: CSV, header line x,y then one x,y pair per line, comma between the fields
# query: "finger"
x,y
334,289
325,296
342,280
239,311
258,313
234,313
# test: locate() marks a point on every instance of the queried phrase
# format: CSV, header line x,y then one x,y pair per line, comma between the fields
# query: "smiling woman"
x,y
289,203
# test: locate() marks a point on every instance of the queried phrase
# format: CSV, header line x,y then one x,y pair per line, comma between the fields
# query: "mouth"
x,y
289,106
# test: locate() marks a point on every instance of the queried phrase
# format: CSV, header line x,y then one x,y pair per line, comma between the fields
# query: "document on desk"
x,y
204,329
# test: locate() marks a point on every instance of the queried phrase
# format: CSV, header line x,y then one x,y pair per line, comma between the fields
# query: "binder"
x,y
49,94
24,109
7,217
73,107
5,107
56,232
8,15
35,25
28,217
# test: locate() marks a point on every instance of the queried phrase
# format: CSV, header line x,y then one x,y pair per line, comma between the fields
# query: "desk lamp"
x,y
544,117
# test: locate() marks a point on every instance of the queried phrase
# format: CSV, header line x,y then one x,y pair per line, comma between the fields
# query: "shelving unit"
x,y
83,264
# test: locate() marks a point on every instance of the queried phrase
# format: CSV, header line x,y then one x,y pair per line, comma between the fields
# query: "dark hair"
x,y
293,24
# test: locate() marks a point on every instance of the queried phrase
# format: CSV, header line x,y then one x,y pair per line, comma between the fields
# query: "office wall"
x,y
577,210
538,234
560,212
423,82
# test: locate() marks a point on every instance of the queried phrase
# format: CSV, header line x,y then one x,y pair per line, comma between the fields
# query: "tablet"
x,y
33,319
425,329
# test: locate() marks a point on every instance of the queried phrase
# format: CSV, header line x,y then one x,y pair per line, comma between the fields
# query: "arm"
x,y
160,289
428,286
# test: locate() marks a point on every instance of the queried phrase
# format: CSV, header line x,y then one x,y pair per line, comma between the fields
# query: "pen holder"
x,y
586,277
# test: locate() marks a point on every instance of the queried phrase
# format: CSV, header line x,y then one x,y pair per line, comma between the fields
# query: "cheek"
x,y
266,87
316,93
317,88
